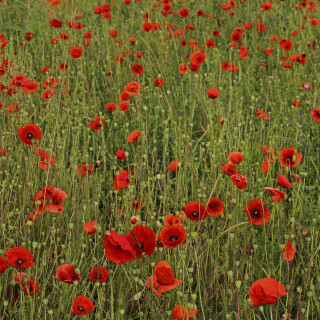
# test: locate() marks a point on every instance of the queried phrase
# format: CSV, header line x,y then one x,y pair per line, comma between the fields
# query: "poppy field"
x,y
159,159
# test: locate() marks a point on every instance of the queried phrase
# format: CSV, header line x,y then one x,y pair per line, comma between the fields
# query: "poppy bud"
x,y
134,220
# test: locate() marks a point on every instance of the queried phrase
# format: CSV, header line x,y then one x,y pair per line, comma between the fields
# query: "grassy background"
x,y
177,121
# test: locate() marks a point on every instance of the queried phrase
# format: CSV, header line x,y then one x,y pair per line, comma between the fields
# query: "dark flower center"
x,y
81,309
135,138
173,237
19,262
195,214
289,158
29,135
97,276
213,206
159,243
256,213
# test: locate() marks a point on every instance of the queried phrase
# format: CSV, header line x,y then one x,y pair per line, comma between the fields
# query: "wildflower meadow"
x,y
159,159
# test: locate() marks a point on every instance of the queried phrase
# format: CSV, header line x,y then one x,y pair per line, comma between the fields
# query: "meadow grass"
x,y
176,121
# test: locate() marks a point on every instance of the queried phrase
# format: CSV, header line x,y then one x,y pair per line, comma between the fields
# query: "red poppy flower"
x,y
266,6
39,202
314,22
215,207
265,166
162,280
136,204
55,23
12,108
97,124
283,181
46,160
229,169
28,133
213,93
285,44
173,236
3,264
210,44
174,165
287,65
28,36
146,238
216,33
181,313
268,151
137,69
240,181
288,252
289,157
195,211
56,206
124,106
118,248
170,220
147,26
30,288
85,170
158,82
19,276
20,257
86,42
261,114
315,114
3,152
197,58
67,274
134,136
277,195
260,27
183,68
82,305
120,154
110,106
30,86
47,94
132,88
266,291
257,212
98,274
247,25
124,96
63,66
184,12
90,227
75,52
243,52
235,157
121,180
